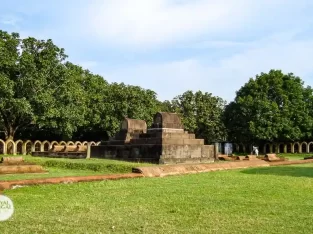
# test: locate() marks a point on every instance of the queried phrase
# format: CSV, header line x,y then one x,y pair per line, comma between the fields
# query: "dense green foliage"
x,y
258,200
201,114
44,96
272,107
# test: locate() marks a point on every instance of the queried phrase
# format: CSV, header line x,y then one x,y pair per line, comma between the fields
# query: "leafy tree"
x,y
36,87
166,106
201,114
129,101
272,107
97,119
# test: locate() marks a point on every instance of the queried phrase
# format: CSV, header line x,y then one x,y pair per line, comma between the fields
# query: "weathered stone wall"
x,y
135,153
156,153
167,120
166,143
130,128
134,125
172,154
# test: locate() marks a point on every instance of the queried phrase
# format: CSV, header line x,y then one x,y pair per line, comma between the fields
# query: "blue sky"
x,y
171,46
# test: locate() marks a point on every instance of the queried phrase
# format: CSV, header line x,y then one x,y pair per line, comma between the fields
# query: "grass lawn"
x,y
295,156
262,200
59,167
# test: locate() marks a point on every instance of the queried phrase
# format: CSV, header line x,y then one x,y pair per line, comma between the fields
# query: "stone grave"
x,y
274,158
165,142
17,165
64,151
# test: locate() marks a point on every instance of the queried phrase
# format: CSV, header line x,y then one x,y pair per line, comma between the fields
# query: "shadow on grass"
x,y
282,171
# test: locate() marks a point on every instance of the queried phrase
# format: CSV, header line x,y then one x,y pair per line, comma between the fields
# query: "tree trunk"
x,y
9,132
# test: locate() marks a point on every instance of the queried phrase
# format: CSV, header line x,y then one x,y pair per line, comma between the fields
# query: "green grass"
x,y
59,167
94,164
262,200
295,156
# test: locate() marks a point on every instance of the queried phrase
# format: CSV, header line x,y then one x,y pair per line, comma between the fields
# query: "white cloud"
x,y
223,43
228,74
166,79
158,22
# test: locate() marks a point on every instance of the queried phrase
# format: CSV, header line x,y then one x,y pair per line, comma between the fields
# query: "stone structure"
x,y
130,129
64,151
17,165
20,147
165,142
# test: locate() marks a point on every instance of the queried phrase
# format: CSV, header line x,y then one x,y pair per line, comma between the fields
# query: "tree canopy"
x,y
272,107
37,89
201,114
45,96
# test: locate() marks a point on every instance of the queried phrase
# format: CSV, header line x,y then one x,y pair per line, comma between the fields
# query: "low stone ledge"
x,y
20,169
291,162
12,160
161,171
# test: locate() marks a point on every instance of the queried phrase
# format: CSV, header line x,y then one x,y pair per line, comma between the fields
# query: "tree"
x,y
166,106
272,107
37,89
98,114
201,114
131,102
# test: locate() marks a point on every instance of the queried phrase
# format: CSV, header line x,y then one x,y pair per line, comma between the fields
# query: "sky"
x,y
171,46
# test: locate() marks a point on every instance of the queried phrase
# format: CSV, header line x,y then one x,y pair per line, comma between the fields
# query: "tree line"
x,y
44,96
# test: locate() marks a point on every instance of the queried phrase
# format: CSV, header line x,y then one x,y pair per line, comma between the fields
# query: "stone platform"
x,y
167,170
16,165
165,142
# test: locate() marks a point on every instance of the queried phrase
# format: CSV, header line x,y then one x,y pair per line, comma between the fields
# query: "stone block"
x,y
58,148
251,157
192,136
12,160
173,141
241,158
17,169
207,151
193,141
167,120
271,158
134,125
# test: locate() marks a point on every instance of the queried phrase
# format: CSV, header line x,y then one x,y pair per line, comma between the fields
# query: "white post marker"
x,y
6,208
